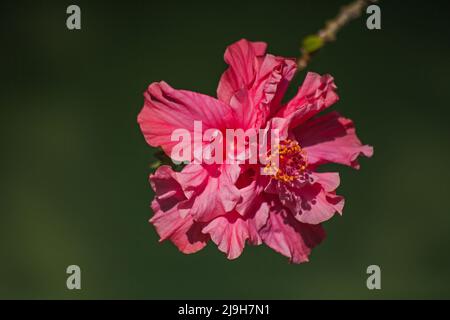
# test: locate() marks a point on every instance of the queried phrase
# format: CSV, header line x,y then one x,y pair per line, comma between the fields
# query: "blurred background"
x,y
74,164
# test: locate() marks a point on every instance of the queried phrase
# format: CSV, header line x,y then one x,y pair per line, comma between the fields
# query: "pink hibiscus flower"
x,y
232,204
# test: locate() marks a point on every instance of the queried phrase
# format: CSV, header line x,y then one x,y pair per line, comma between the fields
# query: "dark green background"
x,y
74,164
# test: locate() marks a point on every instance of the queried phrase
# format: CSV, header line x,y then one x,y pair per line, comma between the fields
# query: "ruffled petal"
x,y
312,204
328,180
255,82
211,188
272,82
183,232
309,202
254,209
166,109
229,232
244,59
167,189
316,94
254,105
331,138
293,239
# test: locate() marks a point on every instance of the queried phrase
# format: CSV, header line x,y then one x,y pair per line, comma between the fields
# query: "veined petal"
x,y
272,82
310,203
166,109
244,58
182,231
166,187
328,180
331,138
291,238
316,94
255,82
211,188
229,232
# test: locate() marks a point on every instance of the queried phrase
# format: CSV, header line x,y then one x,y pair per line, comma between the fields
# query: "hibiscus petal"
x,y
331,138
244,59
212,189
183,232
310,203
257,217
193,179
291,238
228,192
255,83
166,109
249,195
166,188
272,81
254,209
319,207
229,232
316,94
328,180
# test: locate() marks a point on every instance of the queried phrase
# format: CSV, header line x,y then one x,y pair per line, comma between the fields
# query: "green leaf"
x,y
163,159
155,165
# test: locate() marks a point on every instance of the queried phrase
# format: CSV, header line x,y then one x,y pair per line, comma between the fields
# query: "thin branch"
x,y
328,33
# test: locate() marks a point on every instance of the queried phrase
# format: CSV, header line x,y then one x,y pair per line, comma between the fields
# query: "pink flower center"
x,y
292,161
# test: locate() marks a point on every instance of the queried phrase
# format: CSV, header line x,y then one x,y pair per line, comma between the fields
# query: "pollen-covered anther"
x,y
292,162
